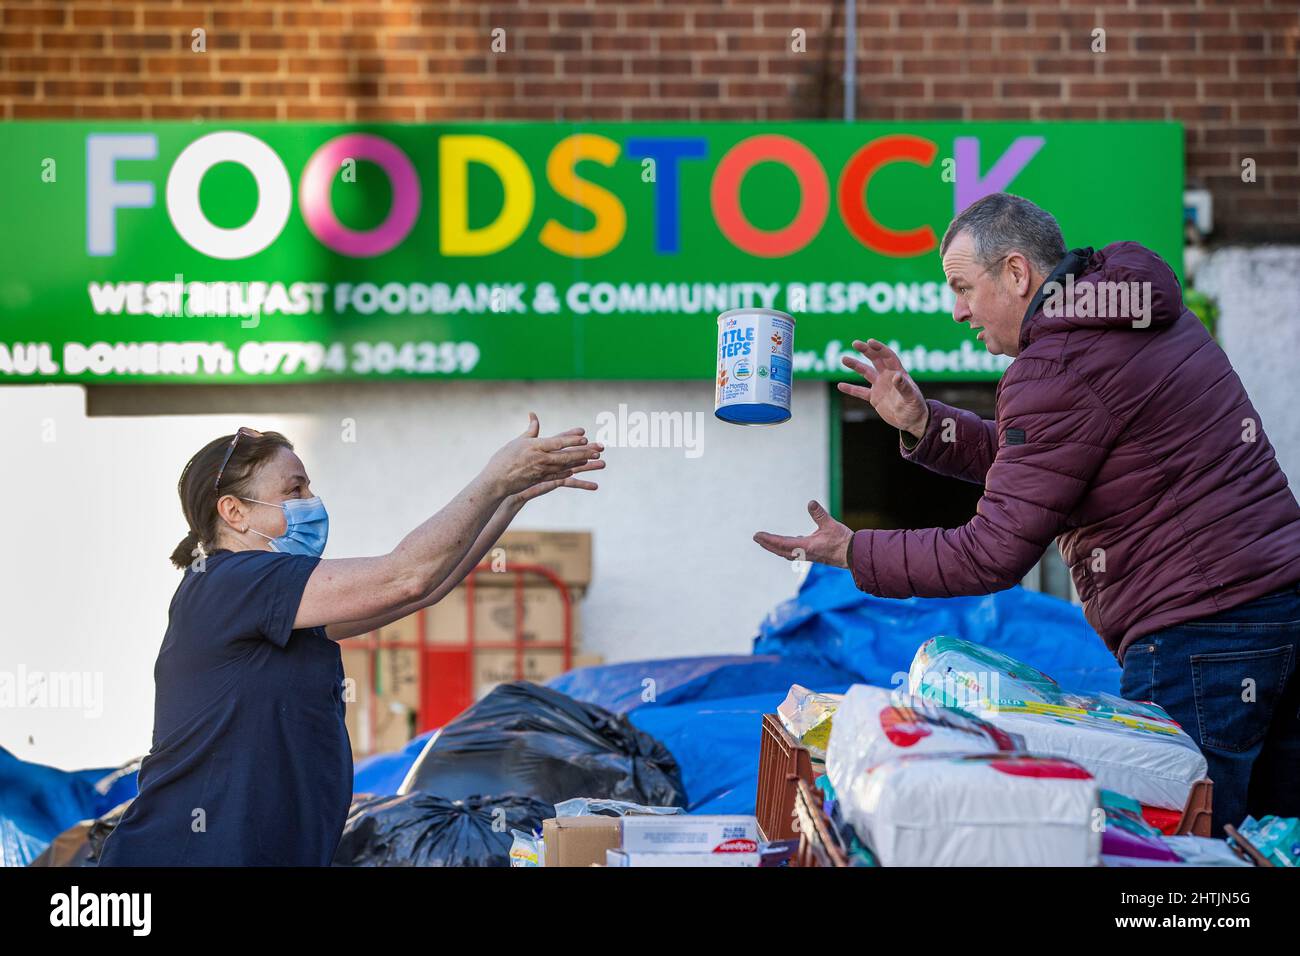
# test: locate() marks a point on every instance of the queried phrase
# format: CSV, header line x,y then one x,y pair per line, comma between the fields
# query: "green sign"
x,y
186,252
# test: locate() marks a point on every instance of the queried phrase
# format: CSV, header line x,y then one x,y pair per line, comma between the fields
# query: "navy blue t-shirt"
x,y
248,727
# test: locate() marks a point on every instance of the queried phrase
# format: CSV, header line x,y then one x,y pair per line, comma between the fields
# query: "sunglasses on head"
x,y
251,433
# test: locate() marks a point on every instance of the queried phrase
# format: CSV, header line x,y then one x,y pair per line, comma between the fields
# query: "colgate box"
x,y
620,858
683,833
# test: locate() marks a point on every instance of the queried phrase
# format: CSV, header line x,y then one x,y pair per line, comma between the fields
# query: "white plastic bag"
x,y
999,809
873,725
591,806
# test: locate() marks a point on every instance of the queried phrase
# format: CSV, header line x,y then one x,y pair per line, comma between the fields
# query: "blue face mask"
x,y
307,526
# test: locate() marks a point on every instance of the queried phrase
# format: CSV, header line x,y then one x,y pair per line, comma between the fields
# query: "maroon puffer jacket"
x,y
1136,448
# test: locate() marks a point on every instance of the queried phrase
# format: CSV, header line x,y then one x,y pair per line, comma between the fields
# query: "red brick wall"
x,y
1227,69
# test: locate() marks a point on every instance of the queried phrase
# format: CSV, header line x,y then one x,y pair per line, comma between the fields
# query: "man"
x,y
1123,433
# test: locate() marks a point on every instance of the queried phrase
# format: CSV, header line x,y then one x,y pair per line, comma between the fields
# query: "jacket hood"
x,y
1121,286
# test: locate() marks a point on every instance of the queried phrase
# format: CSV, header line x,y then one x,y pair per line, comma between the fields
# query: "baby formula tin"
x,y
754,366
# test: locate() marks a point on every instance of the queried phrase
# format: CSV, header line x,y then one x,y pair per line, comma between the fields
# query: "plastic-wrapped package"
x,y
873,725
589,807
1125,813
1202,851
993,809
1128,834
960,673
1121,843
1130,746
807,715
1276,838
527,849
858,852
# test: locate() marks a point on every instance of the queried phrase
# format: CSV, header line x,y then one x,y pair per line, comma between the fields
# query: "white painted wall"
x,y
1258,290
92,515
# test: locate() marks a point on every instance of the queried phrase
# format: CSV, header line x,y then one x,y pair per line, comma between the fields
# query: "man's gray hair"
x,y
1001,224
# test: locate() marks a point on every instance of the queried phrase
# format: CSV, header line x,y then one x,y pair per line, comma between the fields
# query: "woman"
x,y
251,763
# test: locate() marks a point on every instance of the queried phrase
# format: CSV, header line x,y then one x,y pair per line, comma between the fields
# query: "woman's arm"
x,y
491,532
489,536
352,589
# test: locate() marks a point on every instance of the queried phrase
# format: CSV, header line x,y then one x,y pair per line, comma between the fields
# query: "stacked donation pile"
x,y
926,785
984,760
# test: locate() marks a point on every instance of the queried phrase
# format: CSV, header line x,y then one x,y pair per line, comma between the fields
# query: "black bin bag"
x,y
419,829
82,843
531,741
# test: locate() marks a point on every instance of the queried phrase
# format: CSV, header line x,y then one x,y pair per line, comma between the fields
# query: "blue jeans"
x,y
1230,680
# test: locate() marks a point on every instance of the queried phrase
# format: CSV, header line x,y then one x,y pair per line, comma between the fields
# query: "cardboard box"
x,y
492,667
383,721
394,726
406,630
681,833
564,553
579,841
447,622
396,675
623,858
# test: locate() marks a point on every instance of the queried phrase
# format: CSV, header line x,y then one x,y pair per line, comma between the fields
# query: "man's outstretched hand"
x,y
890,390
829,544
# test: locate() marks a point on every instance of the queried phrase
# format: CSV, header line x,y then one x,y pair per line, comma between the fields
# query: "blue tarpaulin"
x,y
832,622
37,803
669,682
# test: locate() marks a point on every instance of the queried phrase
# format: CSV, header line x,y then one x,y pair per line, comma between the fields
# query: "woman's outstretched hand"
x,y
543,487
529,461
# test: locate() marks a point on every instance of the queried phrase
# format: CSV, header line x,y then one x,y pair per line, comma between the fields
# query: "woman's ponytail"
x,y
184,554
